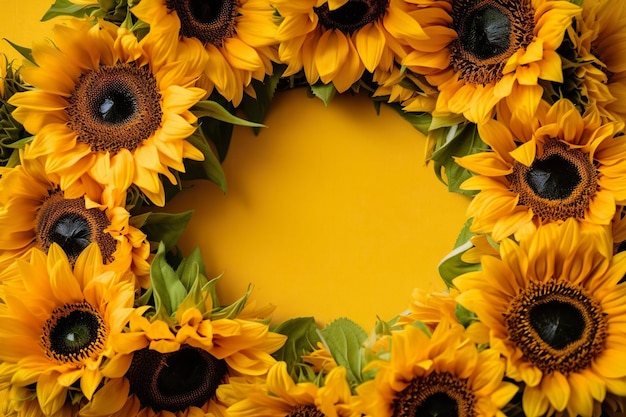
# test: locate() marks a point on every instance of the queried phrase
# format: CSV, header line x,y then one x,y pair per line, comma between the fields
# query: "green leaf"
x,y
167,289
211,166
191,269
456,141
231,311
257,108
302,339
67,8
165,227
344,339
209,108
325,92
420,121
452,265
465,316
25,52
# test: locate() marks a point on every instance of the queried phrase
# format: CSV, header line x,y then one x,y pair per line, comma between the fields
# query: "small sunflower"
x,y
181,352
234,38
438,374
105,107
555,310
57,326
336,41
282,397
36,213
480,51
557,166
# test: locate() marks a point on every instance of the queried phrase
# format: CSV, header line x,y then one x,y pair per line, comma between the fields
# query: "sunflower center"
x,y
68,223
74,333
558,184
209,21
177,380
438,394
305,411
352,16
115,107
489,33
557,326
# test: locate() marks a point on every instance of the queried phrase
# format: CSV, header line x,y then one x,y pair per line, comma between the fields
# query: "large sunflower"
x,y
556,166
555,310
103,106
439,374
480,51
336,41
282,397
57,325
235,38
597,79
35,213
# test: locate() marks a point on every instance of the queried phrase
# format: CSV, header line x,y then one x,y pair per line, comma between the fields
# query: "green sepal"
x,y
303,338
162,227
344,339
211,166
324,92
214,110
452,265
465,316
455,141
67,8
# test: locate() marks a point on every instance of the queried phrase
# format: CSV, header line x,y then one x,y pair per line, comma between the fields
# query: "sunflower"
x,y
56,329
598,70
480,51
555,310
105,107
282,397
234,38
36,213
438,374
336,41
548,169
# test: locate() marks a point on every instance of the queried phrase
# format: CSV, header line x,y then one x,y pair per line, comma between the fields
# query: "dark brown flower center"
x,y
68,223
210,21
557,326
175,381
438,394
489,33
115,107
74,333
305,411
352,16
558,184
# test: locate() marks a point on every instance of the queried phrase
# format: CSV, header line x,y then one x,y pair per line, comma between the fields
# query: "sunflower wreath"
x,y
522,105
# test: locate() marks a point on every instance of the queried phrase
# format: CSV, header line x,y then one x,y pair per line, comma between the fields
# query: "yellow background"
x,y
330,212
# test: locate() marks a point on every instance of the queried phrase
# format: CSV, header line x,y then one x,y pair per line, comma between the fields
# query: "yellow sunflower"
x,y
599,68
480,51
282,397
548,169
35,213
235,39
58,323
336,41
103,106
439,374
555,310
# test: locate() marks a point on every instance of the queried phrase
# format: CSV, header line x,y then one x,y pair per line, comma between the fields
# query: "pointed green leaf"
x,y
165,227
302,339
209,108
256,108
344,339
67,8
167,289
25,52
211,166
325,92
231,311
420,121
191,269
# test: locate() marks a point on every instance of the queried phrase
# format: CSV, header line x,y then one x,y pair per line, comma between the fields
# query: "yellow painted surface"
x,y
330,212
